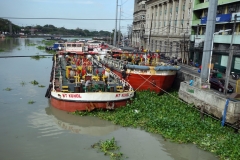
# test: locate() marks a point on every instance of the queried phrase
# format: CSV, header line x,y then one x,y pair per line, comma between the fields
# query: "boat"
x,y
79,82
143,71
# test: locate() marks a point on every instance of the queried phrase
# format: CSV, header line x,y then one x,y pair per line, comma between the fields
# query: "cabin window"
x,y
68,45
73,45
78,45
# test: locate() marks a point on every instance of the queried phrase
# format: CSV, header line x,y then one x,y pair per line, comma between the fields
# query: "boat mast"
x,y
115,32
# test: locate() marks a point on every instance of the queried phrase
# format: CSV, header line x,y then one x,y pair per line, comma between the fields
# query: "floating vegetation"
x,y
19,48
175,120
42,86
22,83
51,51
31,102
41,47
109,147
34,82
48,42
1,50
8,89
37,57
31,44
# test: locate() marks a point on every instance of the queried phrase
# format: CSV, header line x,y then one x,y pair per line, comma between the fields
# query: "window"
x,y
224,61
237,63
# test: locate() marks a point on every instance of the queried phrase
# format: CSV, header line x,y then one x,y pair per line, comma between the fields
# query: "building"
x,y
139,21
226,10
167,27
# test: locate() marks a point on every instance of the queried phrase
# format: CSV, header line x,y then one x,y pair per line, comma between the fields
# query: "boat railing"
x,y
115,76
54,66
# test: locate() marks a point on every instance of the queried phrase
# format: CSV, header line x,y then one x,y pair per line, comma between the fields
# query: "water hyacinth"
x,y
174,120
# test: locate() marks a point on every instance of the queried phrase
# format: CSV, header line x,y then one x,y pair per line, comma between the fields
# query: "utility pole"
x,y
184,46
210,28
229,65
119,32
115,32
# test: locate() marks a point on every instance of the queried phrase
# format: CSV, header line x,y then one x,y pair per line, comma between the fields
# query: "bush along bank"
x,y
174,120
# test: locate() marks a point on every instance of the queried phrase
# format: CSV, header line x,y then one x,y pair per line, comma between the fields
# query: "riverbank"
x,y
176,121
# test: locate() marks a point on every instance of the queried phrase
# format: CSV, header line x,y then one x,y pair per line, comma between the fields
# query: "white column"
x,y
173,17
179,19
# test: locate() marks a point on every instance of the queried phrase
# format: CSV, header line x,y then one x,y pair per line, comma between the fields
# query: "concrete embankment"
x,y
207,100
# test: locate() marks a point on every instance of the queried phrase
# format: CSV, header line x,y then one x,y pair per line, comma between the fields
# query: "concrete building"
x,y
139,21
167,28
226,10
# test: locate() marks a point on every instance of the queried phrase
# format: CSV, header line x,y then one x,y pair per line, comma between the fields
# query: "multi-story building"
x,y
226,10
167,27
139,21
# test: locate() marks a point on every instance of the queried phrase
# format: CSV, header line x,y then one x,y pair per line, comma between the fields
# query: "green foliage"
x,y
51,29
1,50
31,44
51,52
41,47
41,86
109,148
8,89
174,120
37,57
31,102
34,82
48,42
22,83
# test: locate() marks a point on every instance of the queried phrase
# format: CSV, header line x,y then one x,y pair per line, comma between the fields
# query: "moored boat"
x,y
142,71
80,82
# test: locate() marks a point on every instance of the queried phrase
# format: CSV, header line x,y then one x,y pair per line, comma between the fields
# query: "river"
x,y
40,132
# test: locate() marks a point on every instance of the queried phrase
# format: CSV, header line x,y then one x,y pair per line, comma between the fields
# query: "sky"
x,y
92,10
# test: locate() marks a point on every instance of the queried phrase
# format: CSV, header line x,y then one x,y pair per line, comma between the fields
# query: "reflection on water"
x,y
83,125
8,44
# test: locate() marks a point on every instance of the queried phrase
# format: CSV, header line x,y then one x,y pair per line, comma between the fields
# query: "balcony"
x,y
226,39
206,4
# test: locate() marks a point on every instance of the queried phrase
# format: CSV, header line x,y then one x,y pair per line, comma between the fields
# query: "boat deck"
x,y
77,84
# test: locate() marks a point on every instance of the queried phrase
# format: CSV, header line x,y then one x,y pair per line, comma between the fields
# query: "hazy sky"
x,y
73,9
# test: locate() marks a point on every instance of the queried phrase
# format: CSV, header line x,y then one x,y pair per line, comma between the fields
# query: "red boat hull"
x,y
72,106
156,83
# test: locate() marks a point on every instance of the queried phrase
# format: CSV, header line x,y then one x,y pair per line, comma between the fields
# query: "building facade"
x,y
139,22
167,27
226,11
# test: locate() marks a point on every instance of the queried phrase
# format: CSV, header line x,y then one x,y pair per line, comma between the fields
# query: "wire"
x,y
53,18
